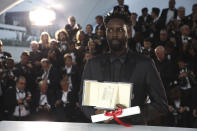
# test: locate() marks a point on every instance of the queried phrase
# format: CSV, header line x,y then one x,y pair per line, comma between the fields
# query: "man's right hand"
x,y
102,112
20,101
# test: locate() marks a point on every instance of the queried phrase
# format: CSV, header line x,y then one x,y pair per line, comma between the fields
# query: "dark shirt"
x,y
135,69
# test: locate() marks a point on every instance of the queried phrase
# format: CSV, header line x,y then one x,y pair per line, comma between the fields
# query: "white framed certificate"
x,y
106,95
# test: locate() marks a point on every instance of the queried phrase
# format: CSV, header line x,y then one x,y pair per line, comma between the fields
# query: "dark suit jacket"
x,y
138,70
36,99
75,79
54,78
10,101
163,16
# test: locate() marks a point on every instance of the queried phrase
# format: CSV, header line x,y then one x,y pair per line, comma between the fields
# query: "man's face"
x,y
171,3
64,85
43,87
147,44
68,62
45,66
185,30
88,29
24,59
116,34
72,21
163,35
160,54
34,47
62,37
181,12
120,2
21,84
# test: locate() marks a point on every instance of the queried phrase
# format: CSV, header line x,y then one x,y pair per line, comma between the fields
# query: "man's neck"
x,y
118,53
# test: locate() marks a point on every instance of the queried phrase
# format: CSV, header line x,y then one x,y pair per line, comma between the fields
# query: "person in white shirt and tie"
x,y
17,101
44,102
64,103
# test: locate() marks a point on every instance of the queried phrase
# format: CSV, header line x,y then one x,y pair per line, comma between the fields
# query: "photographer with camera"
x,y
3,55
17,101
43,102
179,109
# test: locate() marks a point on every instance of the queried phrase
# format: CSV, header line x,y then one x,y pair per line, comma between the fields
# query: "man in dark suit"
x,y
168,14
122,65
144,21
17,101
50,74
100,24
72,72
43,102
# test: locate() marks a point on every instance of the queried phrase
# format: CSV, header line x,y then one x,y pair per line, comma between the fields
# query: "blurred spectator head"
x,y
21,83
80,36
194,9
71,46
68,60
190,49
87,56
45,38
64,83
185,30
25,57
147,43
169,47
68,28
91,45
34,46
99,33
181,63
45,64
163,35
9,63
181,12
120,2
133,16
89,29
54,44
160,52
61,35
43,86
155,12
175,94
145,11
71,20
1,46
99,19
172,4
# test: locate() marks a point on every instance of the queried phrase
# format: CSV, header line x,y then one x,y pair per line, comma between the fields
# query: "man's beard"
x,y
117,45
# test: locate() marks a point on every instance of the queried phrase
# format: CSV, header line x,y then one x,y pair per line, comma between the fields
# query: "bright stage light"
x,y
42,17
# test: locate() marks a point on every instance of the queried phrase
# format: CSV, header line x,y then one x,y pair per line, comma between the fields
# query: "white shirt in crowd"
x,y
20,110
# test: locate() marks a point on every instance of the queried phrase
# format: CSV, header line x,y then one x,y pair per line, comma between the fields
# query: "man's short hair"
x,y
145,9
156,11
148,39
125,16
25,53
99,17
20,77
67,55
45,60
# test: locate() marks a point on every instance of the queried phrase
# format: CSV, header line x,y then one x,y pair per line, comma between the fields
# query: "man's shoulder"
x,y
138,57
99,58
